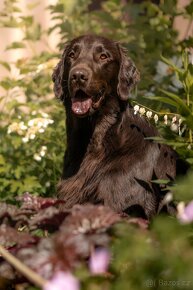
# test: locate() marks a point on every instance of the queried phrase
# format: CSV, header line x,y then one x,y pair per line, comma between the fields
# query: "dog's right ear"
x,y
60,84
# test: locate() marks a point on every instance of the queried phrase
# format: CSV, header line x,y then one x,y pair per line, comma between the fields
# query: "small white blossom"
x,y
142,111
32,136
136,109
41,130
22,126
165,119
34,113
174,119
16,127
47,184
149,114
25,139
45,115
42,153
37,157
41,67
39,124
174,127
156,118
31,122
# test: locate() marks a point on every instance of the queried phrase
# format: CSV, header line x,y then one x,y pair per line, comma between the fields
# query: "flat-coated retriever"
x,y
108,159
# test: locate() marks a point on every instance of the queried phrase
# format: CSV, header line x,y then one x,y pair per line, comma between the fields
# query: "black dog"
x,y
108,159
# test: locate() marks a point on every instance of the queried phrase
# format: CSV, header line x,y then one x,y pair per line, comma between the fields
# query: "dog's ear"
x,y
58,76
128,75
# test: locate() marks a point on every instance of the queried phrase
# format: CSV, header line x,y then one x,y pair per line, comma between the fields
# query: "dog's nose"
x,y
79,76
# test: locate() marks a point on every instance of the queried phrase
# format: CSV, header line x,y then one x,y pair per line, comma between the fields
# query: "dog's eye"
x,y
71,54
103,56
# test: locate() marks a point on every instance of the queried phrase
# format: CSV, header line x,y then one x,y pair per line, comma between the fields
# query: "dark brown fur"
x,y
107,160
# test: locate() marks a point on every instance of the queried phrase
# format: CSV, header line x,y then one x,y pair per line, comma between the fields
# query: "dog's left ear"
x,y
128,75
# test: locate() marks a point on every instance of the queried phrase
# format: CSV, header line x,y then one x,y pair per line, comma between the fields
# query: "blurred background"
x,y
43,16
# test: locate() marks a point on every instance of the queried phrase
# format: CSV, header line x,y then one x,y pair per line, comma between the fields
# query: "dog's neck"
x,y
90,130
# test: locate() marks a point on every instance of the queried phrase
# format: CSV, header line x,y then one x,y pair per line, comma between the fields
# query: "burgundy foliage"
x,y
48,239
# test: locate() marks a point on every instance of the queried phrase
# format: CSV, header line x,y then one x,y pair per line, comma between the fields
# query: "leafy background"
x,y
32,128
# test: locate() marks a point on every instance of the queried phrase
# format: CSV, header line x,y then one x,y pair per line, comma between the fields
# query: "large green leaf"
x,y
180,104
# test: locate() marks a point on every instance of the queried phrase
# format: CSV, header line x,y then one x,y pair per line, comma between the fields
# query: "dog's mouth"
x,y
82,103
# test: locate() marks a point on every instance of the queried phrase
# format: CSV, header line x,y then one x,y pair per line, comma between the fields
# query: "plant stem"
x,y
190,136
156,112
26,271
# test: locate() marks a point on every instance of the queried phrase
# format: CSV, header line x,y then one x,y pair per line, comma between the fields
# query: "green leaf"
x,y
163,100
6,65
16,45
15,185
2,160
170,63
182,107
160,181
189,8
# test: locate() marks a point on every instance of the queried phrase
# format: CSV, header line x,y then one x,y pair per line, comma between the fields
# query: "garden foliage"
x,y
33,140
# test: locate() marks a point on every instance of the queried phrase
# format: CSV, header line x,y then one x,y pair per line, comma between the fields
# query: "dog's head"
x,y
91,68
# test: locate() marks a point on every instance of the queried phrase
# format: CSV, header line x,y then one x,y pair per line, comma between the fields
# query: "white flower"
x,y
174,127
16,127
32,136
25,139
39,124
142,111
45,115
165,119
22,126
174,119
37,157
41,130
136,109
12,127
156,118
40,67
31,122
42,153
34,113
47,184
149,114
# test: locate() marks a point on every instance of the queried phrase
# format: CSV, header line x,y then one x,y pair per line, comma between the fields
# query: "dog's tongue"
x,y
81,107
